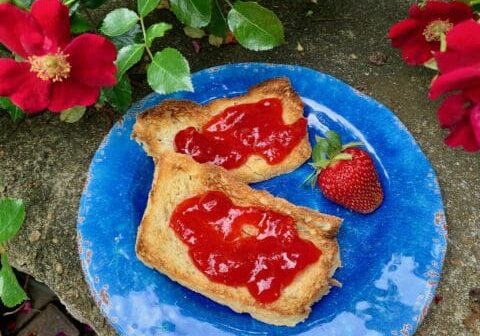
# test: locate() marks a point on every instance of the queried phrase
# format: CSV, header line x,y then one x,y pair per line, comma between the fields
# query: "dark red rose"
x,y
419,36
462,117
459,68
53,71
459,65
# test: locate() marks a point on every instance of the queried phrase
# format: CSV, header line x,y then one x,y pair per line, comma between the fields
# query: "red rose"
x,y
419,35
459,65
54,71
462,117
459,68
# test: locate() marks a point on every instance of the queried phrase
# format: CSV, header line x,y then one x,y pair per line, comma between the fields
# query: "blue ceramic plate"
x,y
392,259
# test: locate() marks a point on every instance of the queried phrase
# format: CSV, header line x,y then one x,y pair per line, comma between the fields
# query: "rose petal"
x,y
33,95
92,59
418,51
34,43
462,136
68,94
455,11
53,17
402,31
463,48
473,94
12,75
475,122
17,29
459,12
408,36
416,11
24,88
453,110
460,79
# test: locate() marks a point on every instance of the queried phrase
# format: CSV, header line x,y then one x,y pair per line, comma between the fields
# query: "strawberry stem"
x,y
311,178
352,144
341,156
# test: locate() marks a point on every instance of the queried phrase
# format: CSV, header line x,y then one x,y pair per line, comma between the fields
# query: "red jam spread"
x,y
242,246
240,131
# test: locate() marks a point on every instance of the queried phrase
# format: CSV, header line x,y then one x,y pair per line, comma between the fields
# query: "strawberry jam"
x,y
242,246
240,131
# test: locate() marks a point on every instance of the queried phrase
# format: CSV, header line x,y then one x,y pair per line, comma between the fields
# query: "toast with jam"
x,y
256,136
240,247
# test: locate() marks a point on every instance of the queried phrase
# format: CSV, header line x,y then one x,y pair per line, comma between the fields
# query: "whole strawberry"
x,y
346,174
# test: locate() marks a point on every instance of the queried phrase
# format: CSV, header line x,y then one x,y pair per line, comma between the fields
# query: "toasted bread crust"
x,y
178,177
156,128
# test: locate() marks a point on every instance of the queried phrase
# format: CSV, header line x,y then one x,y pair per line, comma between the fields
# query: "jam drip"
x,y
242,246
240,131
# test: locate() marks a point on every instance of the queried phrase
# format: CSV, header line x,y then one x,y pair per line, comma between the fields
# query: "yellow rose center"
x,y
435,30
51,67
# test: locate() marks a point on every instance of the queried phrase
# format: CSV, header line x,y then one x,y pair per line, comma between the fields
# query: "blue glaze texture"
x,y
392,259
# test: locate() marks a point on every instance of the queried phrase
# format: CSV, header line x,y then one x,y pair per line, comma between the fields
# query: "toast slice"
x,y
156,128
178,177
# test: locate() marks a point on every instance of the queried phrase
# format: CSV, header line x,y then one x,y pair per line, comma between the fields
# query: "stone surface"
x,y
50,322
44,161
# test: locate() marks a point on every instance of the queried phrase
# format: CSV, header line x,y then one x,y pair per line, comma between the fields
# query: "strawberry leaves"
x,y
331,147
329,150
326,152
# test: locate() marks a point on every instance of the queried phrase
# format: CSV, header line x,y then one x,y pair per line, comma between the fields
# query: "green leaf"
x,y
169,72
120,96
134,35
334,139
72,115
320,149
15,112
12,215
193,13
471,2
11,293
22,3
145,7
118,22
93,3
78,24
195,33
102,99
155,31
72,6
218,23
254,26
127,57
